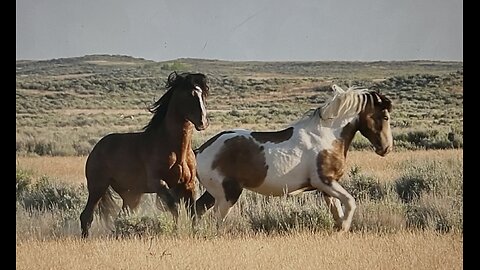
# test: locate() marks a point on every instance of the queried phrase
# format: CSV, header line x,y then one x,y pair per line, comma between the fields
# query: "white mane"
x,y
344,103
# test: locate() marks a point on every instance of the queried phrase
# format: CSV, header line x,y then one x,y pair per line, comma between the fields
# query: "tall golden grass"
x,y
405,250
40,247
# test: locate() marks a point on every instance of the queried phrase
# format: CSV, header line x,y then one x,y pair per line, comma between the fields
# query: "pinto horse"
x,y
158,160
308,155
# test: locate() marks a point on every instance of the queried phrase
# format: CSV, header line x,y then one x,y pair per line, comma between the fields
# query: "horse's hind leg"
x,y
205,202
335,208
200,206
131,200
224,202
86,217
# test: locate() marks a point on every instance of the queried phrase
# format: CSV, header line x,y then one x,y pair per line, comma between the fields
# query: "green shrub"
x,y
23,181
360,143
44,148
435,213
411,187
428,139
379,216
127,226
45,195
364,187
48,147
288,213
433,194
440,178
82,148
175,66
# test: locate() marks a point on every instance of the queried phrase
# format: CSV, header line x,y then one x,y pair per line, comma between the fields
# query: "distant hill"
x,y
321,69
64,105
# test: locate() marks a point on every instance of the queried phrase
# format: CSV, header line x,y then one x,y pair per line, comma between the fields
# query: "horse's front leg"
x,y
335,207
333,189
157,184
168,197
187,189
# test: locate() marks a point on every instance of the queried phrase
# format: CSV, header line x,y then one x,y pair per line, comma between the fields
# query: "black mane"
x,y
174,81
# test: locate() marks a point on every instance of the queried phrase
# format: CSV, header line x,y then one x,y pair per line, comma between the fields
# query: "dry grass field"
x,y
409,204
403,250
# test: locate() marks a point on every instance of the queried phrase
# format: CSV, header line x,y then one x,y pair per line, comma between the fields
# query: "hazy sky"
x,y
310,30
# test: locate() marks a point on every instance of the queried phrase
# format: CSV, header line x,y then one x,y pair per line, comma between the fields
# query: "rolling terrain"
x,y
410,203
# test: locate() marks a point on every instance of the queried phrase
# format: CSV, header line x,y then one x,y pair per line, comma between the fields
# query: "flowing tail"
x,y
107,208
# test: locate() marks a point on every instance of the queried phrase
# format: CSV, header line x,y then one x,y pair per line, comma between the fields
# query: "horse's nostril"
x,y
385,151
202,126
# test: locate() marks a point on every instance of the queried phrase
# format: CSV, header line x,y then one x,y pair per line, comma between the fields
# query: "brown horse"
x,y
158,160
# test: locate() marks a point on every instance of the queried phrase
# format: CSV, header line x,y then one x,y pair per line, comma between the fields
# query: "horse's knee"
x,y
349,202
352,204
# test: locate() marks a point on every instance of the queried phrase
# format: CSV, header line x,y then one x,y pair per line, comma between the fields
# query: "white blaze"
x,y
198,91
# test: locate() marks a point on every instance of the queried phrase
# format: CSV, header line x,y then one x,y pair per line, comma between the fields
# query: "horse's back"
x,y
266,165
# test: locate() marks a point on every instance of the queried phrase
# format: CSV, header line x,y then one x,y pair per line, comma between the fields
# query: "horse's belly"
x,y
132,183
282,186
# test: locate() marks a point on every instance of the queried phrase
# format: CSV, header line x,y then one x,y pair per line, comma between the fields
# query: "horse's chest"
x,y
177,169
330,165
180,171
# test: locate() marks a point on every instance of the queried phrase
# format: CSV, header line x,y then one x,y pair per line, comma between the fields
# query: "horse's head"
x,y
374,122
191,92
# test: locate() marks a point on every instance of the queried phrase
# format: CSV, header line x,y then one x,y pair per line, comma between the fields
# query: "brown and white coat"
x,y
308,155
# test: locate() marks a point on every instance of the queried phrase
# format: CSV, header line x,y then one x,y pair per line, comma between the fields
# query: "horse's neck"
x,y
179,132
340,134
347,134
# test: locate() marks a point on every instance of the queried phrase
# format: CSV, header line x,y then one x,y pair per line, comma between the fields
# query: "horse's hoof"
x,y
345,227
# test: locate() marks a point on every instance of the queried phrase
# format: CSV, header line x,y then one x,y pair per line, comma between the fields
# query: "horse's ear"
x,y
337,89
387,103
172,77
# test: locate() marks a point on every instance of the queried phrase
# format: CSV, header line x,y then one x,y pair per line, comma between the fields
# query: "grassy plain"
x,y
404,250
44,235
410,203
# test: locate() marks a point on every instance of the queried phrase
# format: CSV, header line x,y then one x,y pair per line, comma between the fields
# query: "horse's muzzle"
x,y
202,126
383,151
